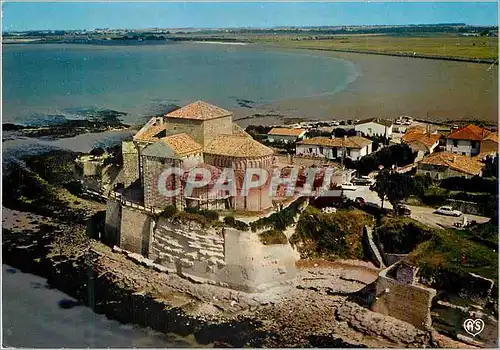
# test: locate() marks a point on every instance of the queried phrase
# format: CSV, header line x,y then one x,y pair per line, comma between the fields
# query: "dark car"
x,y
359,201
403,210
372,205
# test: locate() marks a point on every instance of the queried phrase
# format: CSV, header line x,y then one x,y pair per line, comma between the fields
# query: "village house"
x,y
441,165
468,140
420,141
375,127
355,147
489,144
286,134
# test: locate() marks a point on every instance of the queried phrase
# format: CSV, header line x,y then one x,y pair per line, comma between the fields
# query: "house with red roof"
x,y
467,140
420,141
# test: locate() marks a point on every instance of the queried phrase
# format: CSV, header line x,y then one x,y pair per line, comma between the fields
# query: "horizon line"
x,y
261,27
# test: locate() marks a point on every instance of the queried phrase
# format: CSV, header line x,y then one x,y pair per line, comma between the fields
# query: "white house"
x,y
467,140
355,147
286,134
375,127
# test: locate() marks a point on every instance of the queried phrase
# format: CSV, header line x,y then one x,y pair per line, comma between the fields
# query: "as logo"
x,y
473,327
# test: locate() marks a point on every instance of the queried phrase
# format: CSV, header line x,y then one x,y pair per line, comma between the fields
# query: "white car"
x,y
348,186
449,211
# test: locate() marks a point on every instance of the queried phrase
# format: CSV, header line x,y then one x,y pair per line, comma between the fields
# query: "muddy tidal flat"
x,y
389,86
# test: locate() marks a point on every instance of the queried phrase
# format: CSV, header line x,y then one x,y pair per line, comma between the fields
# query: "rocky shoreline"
x,y
61,127
323,308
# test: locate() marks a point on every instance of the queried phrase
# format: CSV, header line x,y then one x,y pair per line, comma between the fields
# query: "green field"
x,y
436,46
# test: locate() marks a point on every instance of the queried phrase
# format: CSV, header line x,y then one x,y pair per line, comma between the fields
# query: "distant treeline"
x,y
420,28
376,30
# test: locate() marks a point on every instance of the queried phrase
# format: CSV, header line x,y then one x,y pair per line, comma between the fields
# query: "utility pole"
x,y
343,152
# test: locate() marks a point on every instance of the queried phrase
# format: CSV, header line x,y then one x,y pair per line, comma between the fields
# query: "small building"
x,y
355,147
375,127
286,134
467,140
421,142
489,144
441,165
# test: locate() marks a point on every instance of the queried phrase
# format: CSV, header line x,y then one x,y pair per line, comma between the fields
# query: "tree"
x,y
392,186
381,185
491,167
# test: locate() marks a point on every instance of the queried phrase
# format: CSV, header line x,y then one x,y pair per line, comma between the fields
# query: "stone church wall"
x,y
214,127
153,167
130,163
194,128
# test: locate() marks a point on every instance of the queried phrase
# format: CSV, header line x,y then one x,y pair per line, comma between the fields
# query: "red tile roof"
x,y
286,131
493,136
349,142
464,164
199,110
428,140
470,132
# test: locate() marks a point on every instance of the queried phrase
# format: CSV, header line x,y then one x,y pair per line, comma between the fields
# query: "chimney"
x,y
454,160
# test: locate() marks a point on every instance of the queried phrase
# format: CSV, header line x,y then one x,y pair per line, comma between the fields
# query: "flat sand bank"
x,y
389,86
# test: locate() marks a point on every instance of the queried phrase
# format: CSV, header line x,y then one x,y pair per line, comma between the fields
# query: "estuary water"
x,y
32,318
45,80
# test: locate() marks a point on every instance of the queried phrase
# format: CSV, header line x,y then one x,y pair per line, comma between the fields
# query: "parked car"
x,y
348,186
403,210
359,201
447,210
372,205
363,181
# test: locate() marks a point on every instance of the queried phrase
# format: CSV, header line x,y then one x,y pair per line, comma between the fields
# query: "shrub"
x,y
184,217
435,196
399,155
419,184
210,215
237,224
169,211
474,184
401,235
273,237
280,220
339,234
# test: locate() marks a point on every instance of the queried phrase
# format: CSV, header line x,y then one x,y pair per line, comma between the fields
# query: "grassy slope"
x,y
335,235
444,251
440,46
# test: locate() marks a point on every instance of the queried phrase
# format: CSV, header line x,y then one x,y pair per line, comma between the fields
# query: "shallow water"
x,y
33,317
142,80
62,79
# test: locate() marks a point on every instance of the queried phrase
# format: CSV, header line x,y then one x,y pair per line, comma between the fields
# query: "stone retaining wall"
x,y
226,257
406,302
464,206
136,227
222,256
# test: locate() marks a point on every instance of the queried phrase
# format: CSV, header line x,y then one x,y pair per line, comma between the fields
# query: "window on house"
x,y
455,143
369,130
348,152
321,150
473,144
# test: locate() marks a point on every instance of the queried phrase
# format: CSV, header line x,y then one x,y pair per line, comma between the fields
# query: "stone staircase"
x,y
373,247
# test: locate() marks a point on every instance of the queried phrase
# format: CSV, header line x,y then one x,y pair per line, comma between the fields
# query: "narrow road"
x,y
424,215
